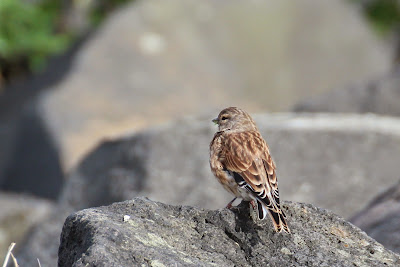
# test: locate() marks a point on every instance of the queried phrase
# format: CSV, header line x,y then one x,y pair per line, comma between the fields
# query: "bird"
x,y
240,160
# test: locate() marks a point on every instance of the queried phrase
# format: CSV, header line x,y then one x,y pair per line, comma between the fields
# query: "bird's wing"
x,y
247,155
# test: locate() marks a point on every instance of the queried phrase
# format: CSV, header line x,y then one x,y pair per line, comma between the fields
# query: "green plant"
x,y
384,15
28,32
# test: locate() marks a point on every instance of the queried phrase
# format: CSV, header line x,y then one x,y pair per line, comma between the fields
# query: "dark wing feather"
x,y
247,159
248,155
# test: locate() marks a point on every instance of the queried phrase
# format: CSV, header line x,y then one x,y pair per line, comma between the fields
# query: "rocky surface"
x,y
157,234
153,61
380,219
380,96
323,159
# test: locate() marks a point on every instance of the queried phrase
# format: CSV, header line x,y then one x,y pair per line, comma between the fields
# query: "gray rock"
x,y
8,133
157,234
34,160
321,159
380,96
153,61
114,171
28,153
168,163
380,219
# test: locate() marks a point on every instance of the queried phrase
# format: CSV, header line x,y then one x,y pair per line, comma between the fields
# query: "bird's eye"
x,y
224,118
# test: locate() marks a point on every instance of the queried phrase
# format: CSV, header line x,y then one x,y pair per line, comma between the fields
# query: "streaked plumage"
x,y
240,159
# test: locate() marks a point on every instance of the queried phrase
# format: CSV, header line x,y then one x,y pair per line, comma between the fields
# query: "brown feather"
x,y
238,148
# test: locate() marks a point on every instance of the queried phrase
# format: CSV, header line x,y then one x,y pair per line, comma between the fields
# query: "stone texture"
x,y
380,219
157,234
155,60
380,96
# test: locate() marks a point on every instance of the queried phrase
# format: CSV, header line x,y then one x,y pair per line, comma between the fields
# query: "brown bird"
x,y
240,159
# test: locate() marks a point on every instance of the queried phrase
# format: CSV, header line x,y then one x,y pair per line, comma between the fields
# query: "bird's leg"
x,y
253,204
230,203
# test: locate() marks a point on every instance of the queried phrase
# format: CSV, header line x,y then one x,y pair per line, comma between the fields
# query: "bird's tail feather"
x,y
278,218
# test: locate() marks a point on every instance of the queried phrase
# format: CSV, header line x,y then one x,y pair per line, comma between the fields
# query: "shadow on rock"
x,y
380,219
33,166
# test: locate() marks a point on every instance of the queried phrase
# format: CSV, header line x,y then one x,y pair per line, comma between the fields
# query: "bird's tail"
x,y
278,218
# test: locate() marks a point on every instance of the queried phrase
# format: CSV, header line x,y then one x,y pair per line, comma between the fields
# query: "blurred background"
x,y
75,74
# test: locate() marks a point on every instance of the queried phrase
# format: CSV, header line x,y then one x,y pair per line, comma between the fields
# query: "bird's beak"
x,y
215,120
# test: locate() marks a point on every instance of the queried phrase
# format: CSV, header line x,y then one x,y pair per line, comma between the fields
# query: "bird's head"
x,y
234,119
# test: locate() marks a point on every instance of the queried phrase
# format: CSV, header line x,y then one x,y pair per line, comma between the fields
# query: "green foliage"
x,y
28,32
383,14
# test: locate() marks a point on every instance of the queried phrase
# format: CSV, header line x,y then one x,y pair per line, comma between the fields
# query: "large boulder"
x,y
332,161
28,152
7,143
168,163
32,159
321,159
380,218
380,96
143,232
152,61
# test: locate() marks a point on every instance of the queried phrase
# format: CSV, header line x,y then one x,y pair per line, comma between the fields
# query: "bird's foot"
x,y
229,206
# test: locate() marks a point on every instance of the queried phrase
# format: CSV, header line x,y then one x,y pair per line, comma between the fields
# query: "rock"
x,y
380,96
115,171
162,235
170,163
8,134
34,160
380,219
153,61
43,241
28,151
18,214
